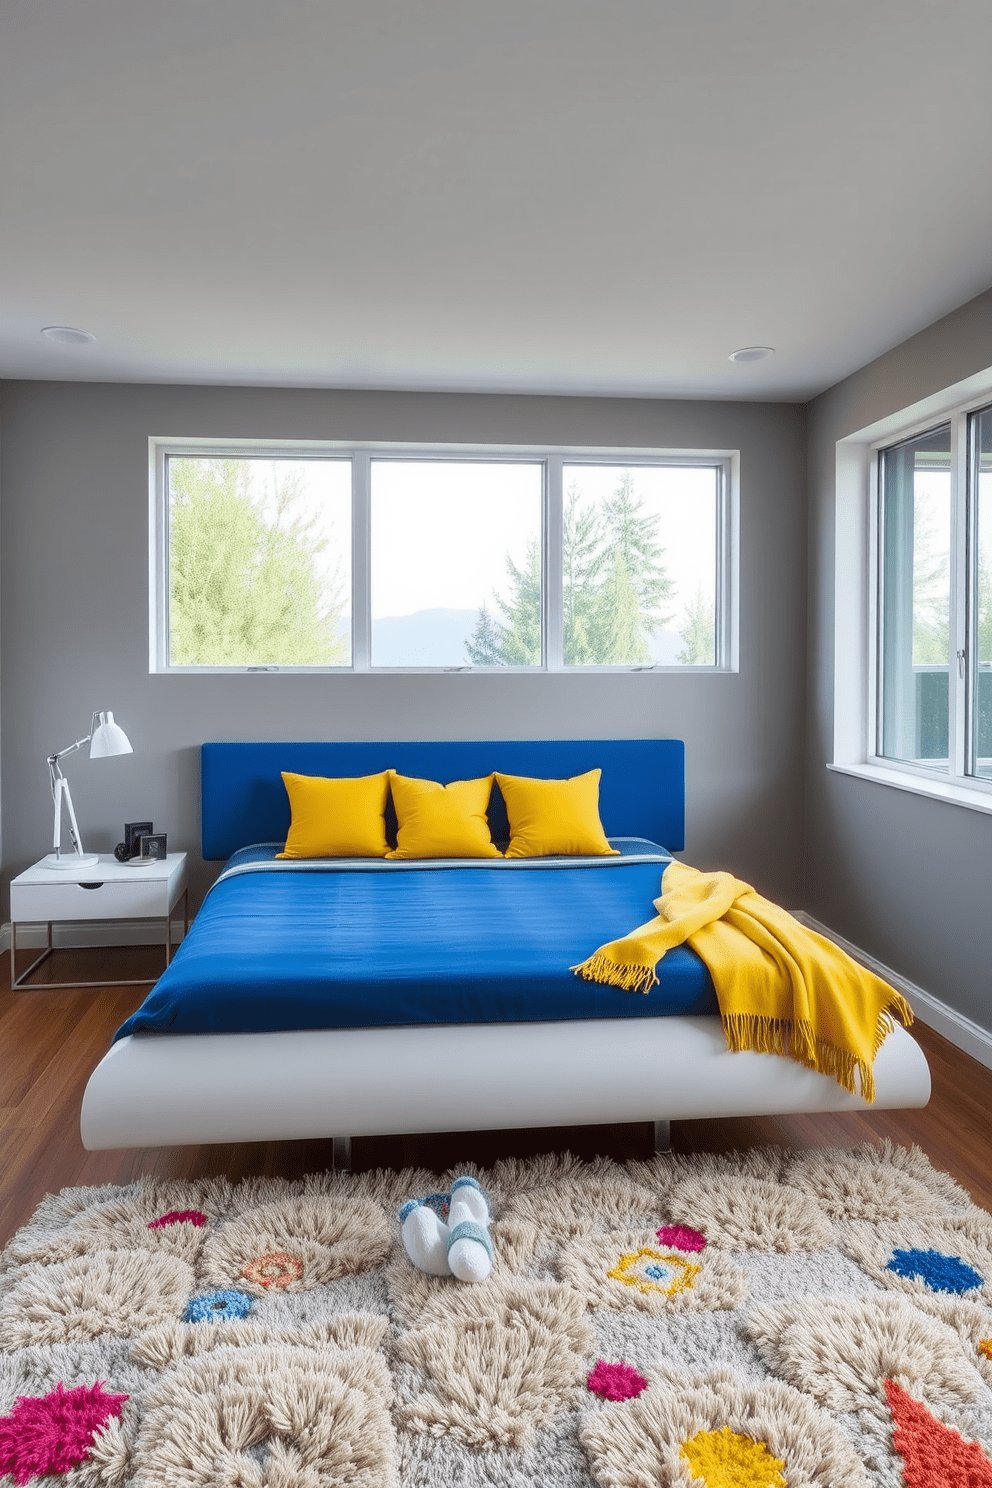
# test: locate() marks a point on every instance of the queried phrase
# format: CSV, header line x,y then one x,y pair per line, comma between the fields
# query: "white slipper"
x,y
470,1248
425,1238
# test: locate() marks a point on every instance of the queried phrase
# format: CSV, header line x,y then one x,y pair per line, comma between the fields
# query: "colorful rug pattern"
x,y
760,1320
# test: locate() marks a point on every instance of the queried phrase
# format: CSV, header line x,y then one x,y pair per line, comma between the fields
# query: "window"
x,y
331,558
915,599
980,597
640,565
446,536
933,585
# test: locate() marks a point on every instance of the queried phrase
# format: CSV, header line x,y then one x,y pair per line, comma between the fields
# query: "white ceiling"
x,y
520,195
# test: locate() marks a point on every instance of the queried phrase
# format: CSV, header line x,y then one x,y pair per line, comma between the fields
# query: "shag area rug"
x,y
755,1320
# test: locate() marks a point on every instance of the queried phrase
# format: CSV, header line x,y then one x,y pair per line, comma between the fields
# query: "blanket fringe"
x,y
796,1040
600,968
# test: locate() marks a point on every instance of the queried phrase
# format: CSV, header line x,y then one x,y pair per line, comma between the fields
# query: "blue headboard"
x,y
243,799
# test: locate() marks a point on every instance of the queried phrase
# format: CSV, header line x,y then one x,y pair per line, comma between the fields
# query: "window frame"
x,y
552,458
879,451
858,598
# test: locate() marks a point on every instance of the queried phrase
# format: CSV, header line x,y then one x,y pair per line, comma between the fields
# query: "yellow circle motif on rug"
x,y
653,1271
727,1459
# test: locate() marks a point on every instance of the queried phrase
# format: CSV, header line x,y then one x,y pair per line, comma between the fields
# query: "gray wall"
x,y
904,876
74,627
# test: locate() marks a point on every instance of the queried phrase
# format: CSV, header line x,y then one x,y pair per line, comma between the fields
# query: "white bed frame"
x,y
164,1090
174,1090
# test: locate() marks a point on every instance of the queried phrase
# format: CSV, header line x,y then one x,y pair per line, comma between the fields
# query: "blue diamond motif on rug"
x,y
942,1273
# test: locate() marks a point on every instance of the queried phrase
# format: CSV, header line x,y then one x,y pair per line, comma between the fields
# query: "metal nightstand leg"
x,y
18,981
22,980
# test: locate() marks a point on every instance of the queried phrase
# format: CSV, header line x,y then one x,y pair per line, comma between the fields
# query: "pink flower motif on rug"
x,y
616,1381
683,1237
178,1216
53,1433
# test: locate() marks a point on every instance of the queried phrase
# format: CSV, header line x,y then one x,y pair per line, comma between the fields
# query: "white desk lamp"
x,y
104,738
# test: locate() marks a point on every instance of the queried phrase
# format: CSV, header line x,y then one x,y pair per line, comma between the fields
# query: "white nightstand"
x,y
106,891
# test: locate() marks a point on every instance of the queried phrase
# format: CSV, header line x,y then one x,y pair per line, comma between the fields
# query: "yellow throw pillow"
x,y
554,816
336,818
441,821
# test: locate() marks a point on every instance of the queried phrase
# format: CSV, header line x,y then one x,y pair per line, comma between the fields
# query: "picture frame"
x,y
153,845
133,833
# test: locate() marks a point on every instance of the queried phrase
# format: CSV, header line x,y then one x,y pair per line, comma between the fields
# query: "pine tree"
x,y
613,584
485,648
634,580
583,560
516,641
698,632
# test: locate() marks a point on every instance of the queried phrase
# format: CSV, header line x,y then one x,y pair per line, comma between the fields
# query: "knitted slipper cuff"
x,y
467,1182
469,1230
436,1201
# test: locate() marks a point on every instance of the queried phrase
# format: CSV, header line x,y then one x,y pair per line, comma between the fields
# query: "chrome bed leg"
x,y
663,1136
342,1154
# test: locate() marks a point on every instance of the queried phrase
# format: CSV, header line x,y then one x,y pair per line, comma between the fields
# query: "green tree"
x,y
613,584
583,560
983,586
984,600
634,582
931,589
515,640
983,605
485,647
244,584
698,632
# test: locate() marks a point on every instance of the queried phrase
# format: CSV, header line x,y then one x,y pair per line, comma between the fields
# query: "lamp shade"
x,y
108,738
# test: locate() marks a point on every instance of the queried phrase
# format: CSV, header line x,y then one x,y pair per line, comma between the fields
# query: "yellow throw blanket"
x,y
782,989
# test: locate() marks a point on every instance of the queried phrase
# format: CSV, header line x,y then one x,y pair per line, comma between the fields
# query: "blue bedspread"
x,y
333,944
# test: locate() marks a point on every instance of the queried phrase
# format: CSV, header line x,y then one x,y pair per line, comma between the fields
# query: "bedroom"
x,y
75,421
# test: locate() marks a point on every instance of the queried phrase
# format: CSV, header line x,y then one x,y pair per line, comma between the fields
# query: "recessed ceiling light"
x,y
67,335
751,354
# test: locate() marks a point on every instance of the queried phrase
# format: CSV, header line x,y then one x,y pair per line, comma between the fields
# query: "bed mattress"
x,y
315,944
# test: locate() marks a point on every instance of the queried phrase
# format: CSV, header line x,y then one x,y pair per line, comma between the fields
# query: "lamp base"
x,y
70,861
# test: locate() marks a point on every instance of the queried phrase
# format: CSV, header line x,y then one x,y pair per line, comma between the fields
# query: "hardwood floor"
x,y
51,1041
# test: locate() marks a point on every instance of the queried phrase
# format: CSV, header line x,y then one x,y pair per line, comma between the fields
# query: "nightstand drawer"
x,y
73,901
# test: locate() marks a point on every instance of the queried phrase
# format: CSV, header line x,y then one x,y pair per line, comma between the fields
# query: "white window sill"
x,y
975,798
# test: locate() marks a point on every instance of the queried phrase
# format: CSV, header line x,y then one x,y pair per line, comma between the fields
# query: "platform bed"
x,y
226,1074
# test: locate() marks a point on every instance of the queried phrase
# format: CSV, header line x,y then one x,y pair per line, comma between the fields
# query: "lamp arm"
x,y
73,828
53,759
60,793
57,785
